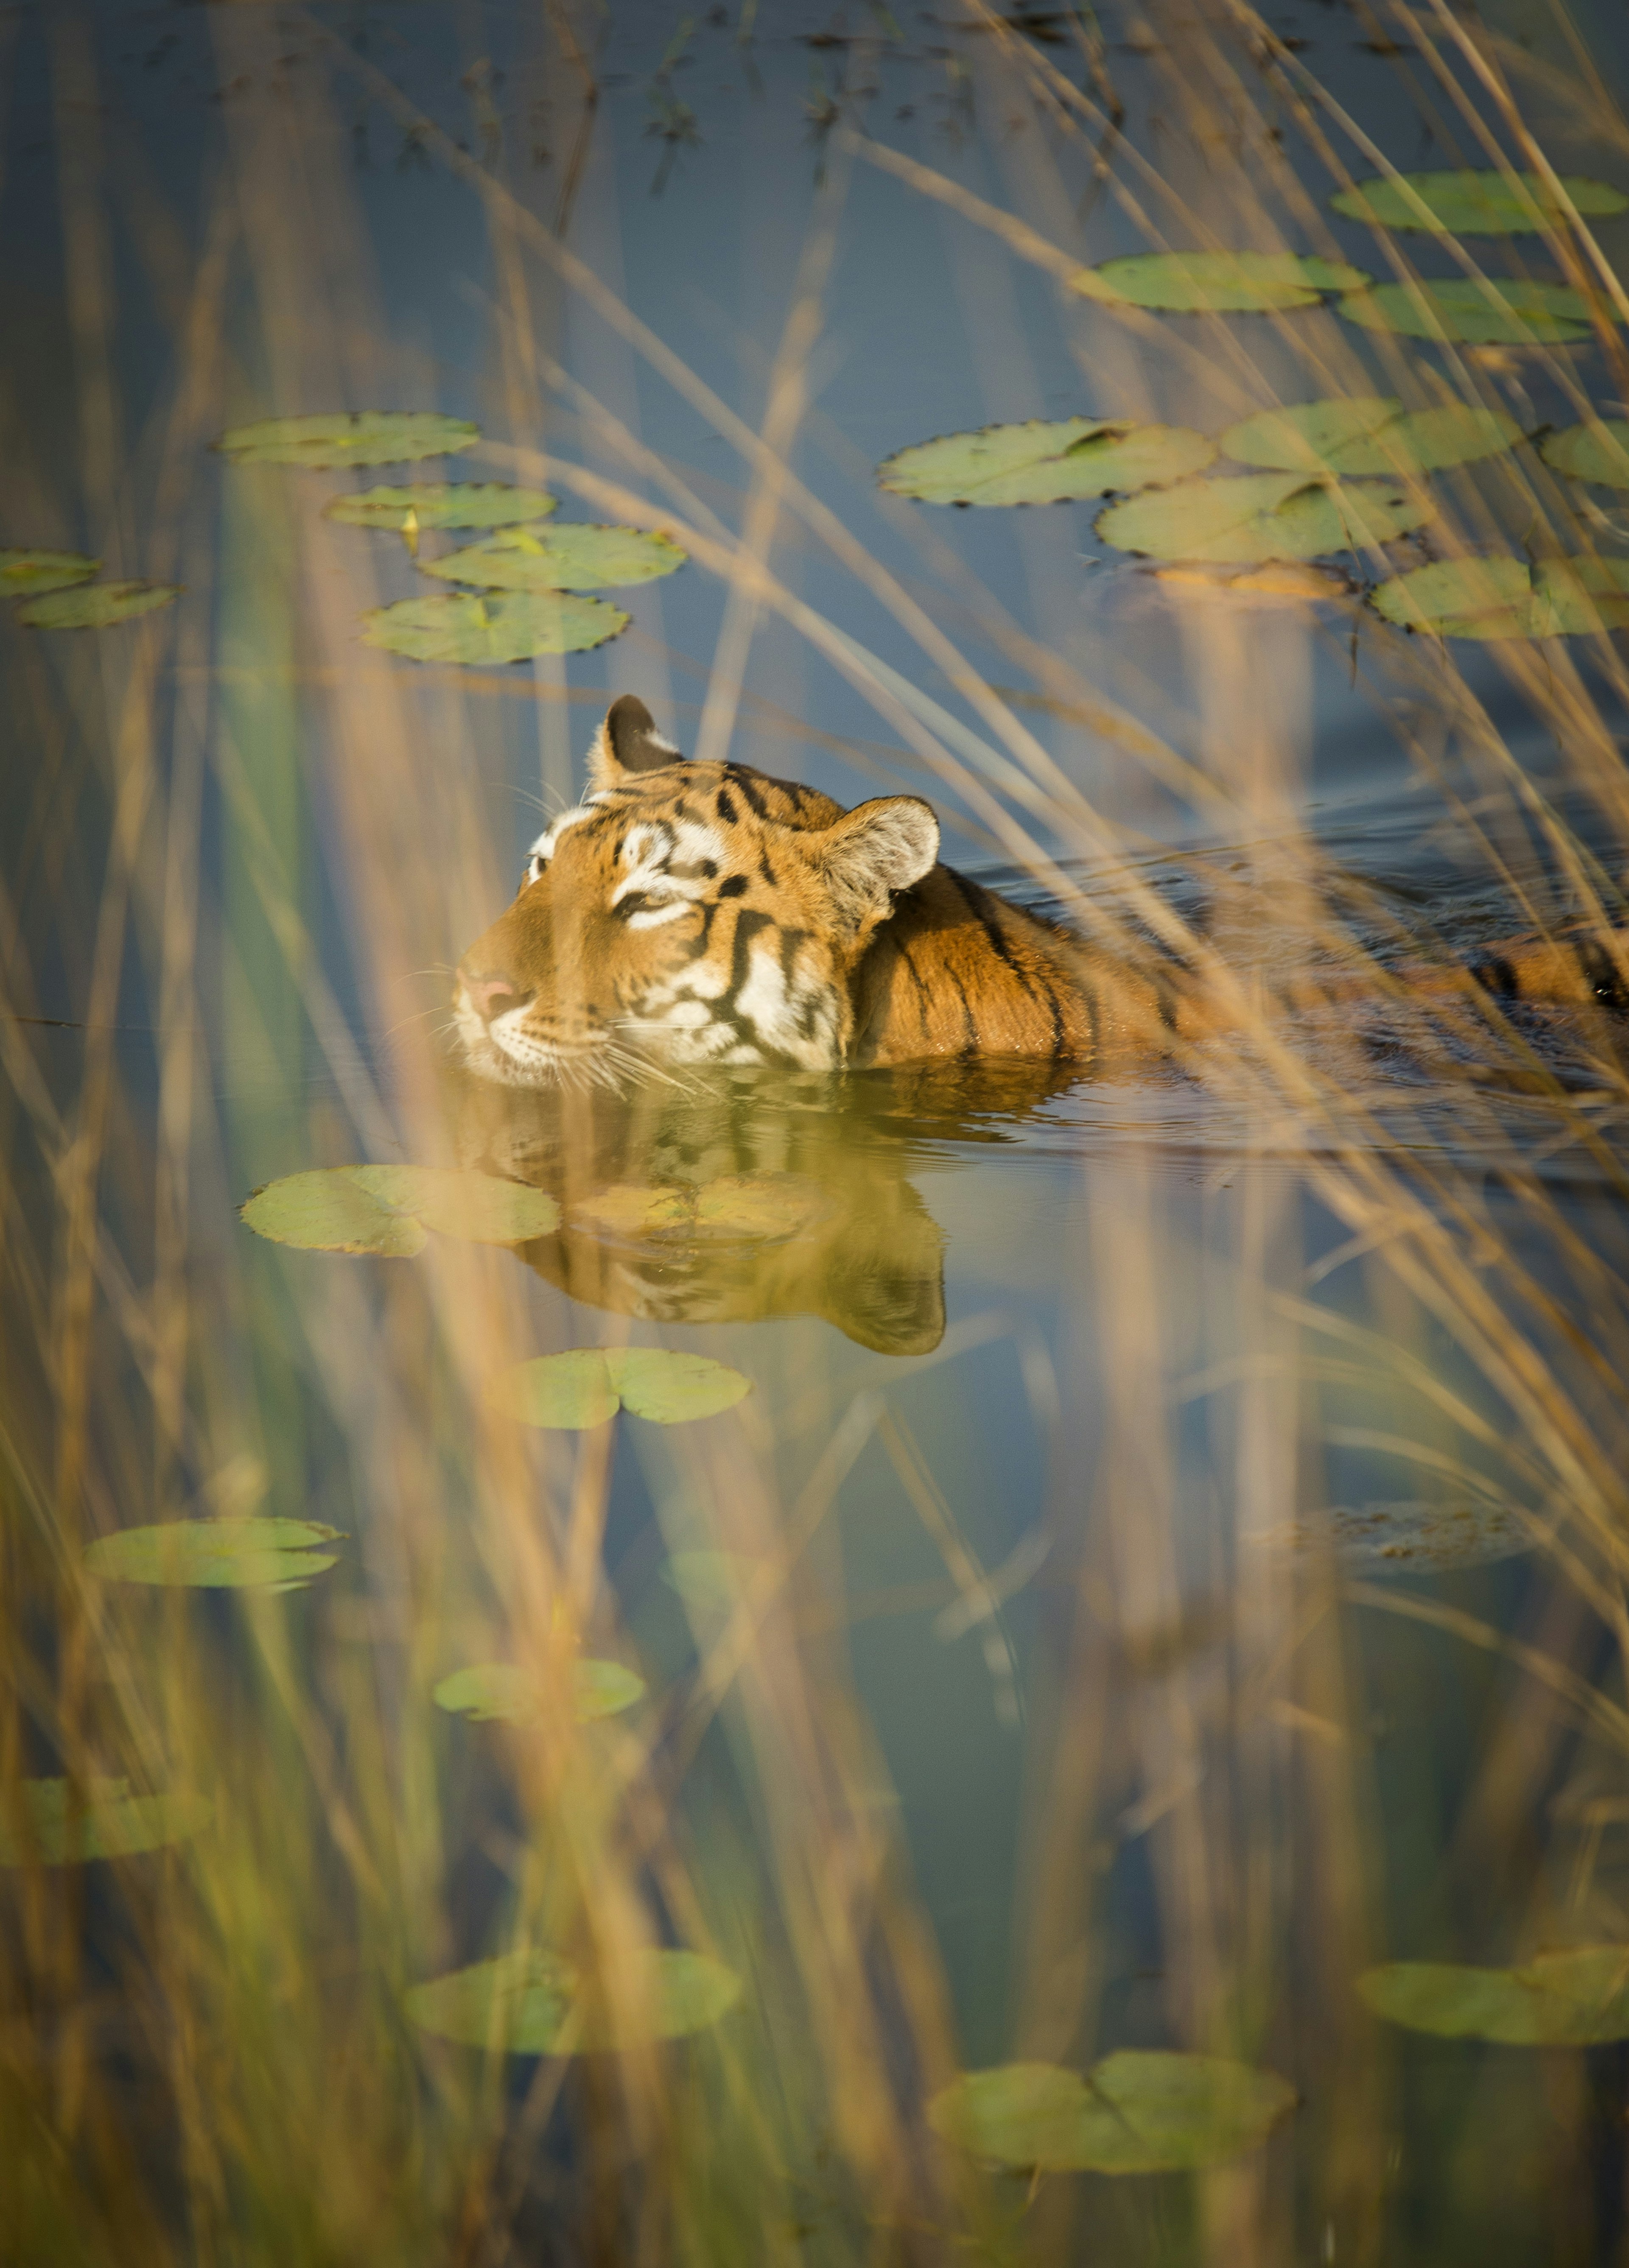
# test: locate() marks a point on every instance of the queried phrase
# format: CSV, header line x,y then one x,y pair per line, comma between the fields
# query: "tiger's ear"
x,y
872,851
628,741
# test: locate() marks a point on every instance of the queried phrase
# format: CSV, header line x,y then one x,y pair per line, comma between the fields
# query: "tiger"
x,y
687,914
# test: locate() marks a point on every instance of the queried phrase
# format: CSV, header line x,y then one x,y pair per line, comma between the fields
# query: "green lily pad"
x,y
1263,515
500,1690
1045,462
1371,434
1597,452
386,1209
1470,204
1507,599
96,605
456,503
48,1822
1510,313
534,2003
1136,2112
365,437
1574,1998
25,574
571,558
1220,283
216,1555
588,1385
486,631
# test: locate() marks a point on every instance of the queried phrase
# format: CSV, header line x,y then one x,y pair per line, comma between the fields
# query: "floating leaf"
x,y
588,1385
484,632
1597,451
365,437
534,2003
571,558
1371,434
711,1581
499,1689
384,1210
1510,313
1507,599
1471,203
25,574
219,1555
1136,2112
1278,583
96,605
48,1822
1221,283
1572,1998
1407,1535
1263,515
458,503
1044,463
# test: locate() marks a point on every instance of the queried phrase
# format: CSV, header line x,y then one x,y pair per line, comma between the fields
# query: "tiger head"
x,y
685,914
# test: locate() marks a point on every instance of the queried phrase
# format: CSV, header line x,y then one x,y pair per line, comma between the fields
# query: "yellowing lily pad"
x,y
1370,434
1505,598
1221,283
1042,463
501,1690
364,436
1136,2112
386,1209
1574,1998
221,1555
1277,583
570,558
96,605
455,503
1471,203
1597,452
1509,313
25,574
484,632
1263,515
50,1823
535,2003
587,1386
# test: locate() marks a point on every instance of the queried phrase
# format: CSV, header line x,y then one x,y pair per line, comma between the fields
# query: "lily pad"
x,y
1263,515
1511,313
386,1209
364,436
48,1822
1220,283
1471,203
1505,598
1370,434
500,1690
534,2003
1574,1998
1045,462
216,1555
1136,2112
1597,452
96,605
1277,583
571,558
487,631
25,574
588,1385
457,503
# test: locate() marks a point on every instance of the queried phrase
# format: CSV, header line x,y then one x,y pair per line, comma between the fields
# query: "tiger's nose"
x,y
491,996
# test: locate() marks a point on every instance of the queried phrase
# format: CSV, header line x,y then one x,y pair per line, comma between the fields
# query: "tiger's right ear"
x,y
628,741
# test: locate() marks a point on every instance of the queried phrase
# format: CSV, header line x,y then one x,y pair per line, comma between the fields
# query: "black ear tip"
x,y
628,714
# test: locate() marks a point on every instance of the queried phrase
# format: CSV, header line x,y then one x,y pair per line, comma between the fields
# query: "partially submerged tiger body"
x,y
686,914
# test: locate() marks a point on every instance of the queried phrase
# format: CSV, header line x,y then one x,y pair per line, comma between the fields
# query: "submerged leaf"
x,y
587,1386
1597,452
1574,1998
1276,583
1136,2112
362,437
1506,312
570,558
487,631
1371,434
534,2003
1405,1536
1505,598
384,1210
500,1690
1223,283
25,574
215,1554
1042,463
1263,515
1471,203
96,605
456,503
48,1823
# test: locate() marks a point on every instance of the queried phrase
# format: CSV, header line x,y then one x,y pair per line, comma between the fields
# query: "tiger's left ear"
x,y
628,741
872,851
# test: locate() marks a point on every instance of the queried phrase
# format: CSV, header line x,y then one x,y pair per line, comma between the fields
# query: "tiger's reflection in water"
x,y
750,1193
